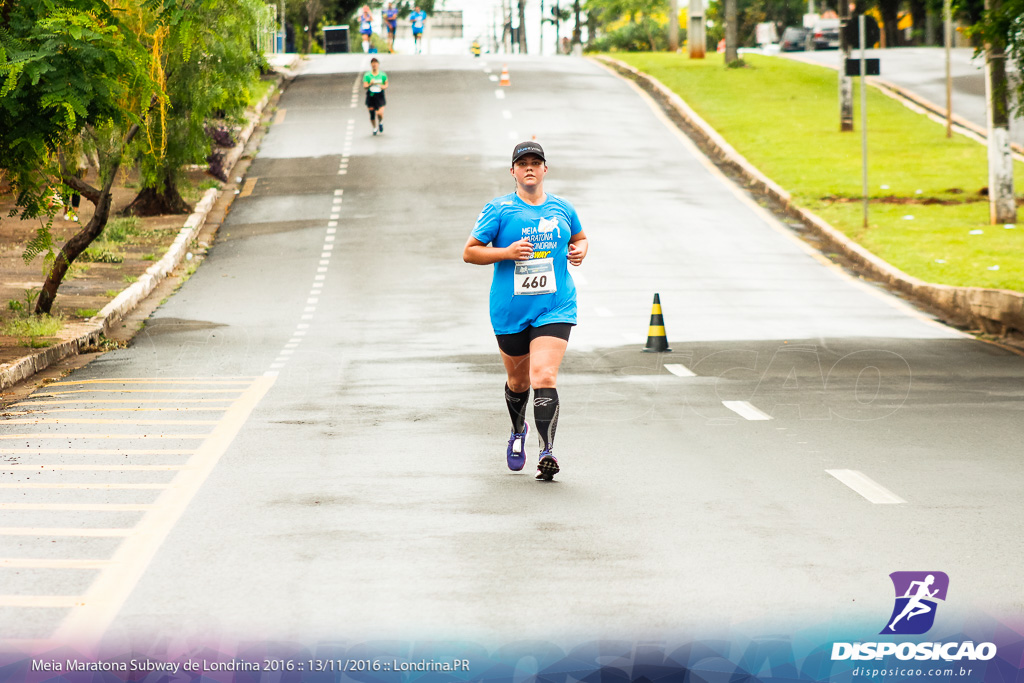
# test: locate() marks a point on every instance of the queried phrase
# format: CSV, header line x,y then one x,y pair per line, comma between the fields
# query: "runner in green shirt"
x,y
375,82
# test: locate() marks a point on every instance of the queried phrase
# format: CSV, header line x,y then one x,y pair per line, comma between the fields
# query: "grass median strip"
x,y
925,190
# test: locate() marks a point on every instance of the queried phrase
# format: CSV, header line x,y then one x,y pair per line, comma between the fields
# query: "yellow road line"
x,y
128,400
159,380
112,587
248,187
79,507
116,410
103,436
37,601
90,468
81,485
142,391
102,421
96,451
62,531
45,563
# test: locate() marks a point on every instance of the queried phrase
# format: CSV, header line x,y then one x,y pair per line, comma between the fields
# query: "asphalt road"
x,y
922,70
307,440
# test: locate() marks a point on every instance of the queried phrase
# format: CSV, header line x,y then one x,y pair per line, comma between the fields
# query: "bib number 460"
x,y
535,282
536,276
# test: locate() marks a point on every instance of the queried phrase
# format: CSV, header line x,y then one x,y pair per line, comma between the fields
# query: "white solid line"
x,y
57,601
745,410
331,231
32,563
603,312
329,238
332,224
334,217
320,277
313,300
325,262
500,94
679,370
339,192
309,309
57,531
867,487
328,247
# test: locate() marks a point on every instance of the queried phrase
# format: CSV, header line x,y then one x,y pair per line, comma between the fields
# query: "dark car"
x,y
793,38
825,34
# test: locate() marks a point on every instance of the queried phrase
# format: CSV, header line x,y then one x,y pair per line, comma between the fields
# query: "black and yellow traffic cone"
x,y
657,342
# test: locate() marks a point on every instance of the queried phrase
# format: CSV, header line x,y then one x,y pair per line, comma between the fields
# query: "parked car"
x,y
825,35
793,38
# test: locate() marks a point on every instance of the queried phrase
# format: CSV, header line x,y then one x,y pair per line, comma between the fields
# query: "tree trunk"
x,y
845,82
83,238
890,9
577,31
522,27
1002,205
673,26
695,33
158,201
731,55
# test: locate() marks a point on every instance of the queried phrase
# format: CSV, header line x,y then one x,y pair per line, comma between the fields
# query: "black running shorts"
x,y
518,344
375,100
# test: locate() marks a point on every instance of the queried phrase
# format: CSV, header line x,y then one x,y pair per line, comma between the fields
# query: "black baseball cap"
x,y
528,147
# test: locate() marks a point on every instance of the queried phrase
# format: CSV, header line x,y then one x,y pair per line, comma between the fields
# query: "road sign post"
x,y
863,113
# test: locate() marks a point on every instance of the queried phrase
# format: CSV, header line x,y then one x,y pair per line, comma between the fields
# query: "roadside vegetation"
x,y
928,210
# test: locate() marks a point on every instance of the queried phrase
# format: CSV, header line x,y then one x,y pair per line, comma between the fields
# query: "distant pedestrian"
x,y
366,26
418,19
391,24
531,238
375,82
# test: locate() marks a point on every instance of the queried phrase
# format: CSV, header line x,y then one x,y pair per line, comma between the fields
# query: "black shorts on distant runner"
x,y
518,344
375,100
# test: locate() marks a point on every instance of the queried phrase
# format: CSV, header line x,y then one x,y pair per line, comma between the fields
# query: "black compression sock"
x,y
516,403
545,415
373,119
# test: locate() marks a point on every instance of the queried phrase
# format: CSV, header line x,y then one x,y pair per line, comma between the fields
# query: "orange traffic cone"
x,y
657,342
504,76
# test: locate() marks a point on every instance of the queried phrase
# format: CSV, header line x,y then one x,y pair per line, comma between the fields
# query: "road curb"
x,y
21,369
995,311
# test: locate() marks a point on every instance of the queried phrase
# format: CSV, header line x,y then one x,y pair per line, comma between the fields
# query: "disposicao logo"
x,y
917,598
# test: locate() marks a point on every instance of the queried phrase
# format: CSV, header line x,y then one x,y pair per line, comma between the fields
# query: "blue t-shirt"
x,y
391,17
365,24
417,21
549,226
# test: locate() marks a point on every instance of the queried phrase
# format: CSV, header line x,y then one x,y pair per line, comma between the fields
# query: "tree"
x,y
68,71
210,64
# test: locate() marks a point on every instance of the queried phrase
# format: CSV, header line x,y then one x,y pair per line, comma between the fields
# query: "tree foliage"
x,y
208,63
64,65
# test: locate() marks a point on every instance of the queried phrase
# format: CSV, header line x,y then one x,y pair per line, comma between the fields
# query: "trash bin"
x,y
335,39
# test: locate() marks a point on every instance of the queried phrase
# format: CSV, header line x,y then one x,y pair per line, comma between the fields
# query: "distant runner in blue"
x,y
366,26
418,18
391,23
531,238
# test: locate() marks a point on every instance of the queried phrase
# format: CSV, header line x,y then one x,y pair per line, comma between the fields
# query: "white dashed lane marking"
x,y
867,487
746,410
679,370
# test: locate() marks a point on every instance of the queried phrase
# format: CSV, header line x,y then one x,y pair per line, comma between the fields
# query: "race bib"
x,y
375,88
536,276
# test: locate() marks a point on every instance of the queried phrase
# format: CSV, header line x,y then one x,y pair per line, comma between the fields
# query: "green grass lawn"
x,y
783,116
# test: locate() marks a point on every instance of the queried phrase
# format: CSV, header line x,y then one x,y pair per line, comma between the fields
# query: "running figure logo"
x,y
916,596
